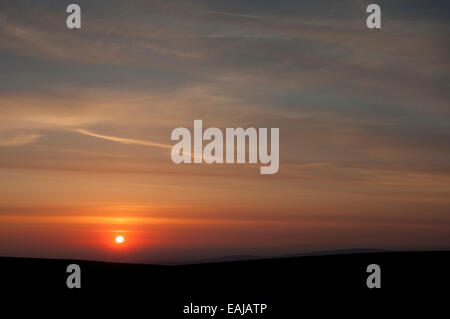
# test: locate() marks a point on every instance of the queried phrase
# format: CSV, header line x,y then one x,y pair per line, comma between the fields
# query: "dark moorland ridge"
x,y
290,286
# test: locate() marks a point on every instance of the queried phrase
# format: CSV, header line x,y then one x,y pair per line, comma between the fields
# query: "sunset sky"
x,y
86,117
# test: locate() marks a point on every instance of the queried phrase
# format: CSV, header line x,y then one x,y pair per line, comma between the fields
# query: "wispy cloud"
x,y
19,139
122,140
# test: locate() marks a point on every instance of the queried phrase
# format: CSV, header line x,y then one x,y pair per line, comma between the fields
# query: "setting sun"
x,y
119,239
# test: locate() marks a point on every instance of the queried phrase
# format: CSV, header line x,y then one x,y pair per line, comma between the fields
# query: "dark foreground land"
x,y
291,287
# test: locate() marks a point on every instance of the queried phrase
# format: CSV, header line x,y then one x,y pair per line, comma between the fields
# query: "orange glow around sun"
x,y
120,239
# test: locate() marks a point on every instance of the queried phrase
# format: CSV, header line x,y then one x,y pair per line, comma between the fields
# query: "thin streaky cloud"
x,y
130,141
20,139
247,16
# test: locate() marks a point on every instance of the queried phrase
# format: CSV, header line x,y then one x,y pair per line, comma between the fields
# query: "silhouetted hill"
x,y
289,286
314,253
226,259
338,252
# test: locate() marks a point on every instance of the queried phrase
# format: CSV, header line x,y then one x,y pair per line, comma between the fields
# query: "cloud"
x,y
122,140
19,139
367,100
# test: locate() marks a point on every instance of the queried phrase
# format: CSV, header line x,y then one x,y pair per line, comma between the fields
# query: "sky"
x,y
86,117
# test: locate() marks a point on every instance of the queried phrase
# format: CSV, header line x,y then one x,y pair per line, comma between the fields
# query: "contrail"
x,y
130,141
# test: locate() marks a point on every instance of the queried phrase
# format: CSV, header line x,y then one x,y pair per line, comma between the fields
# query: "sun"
x,y
120,239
